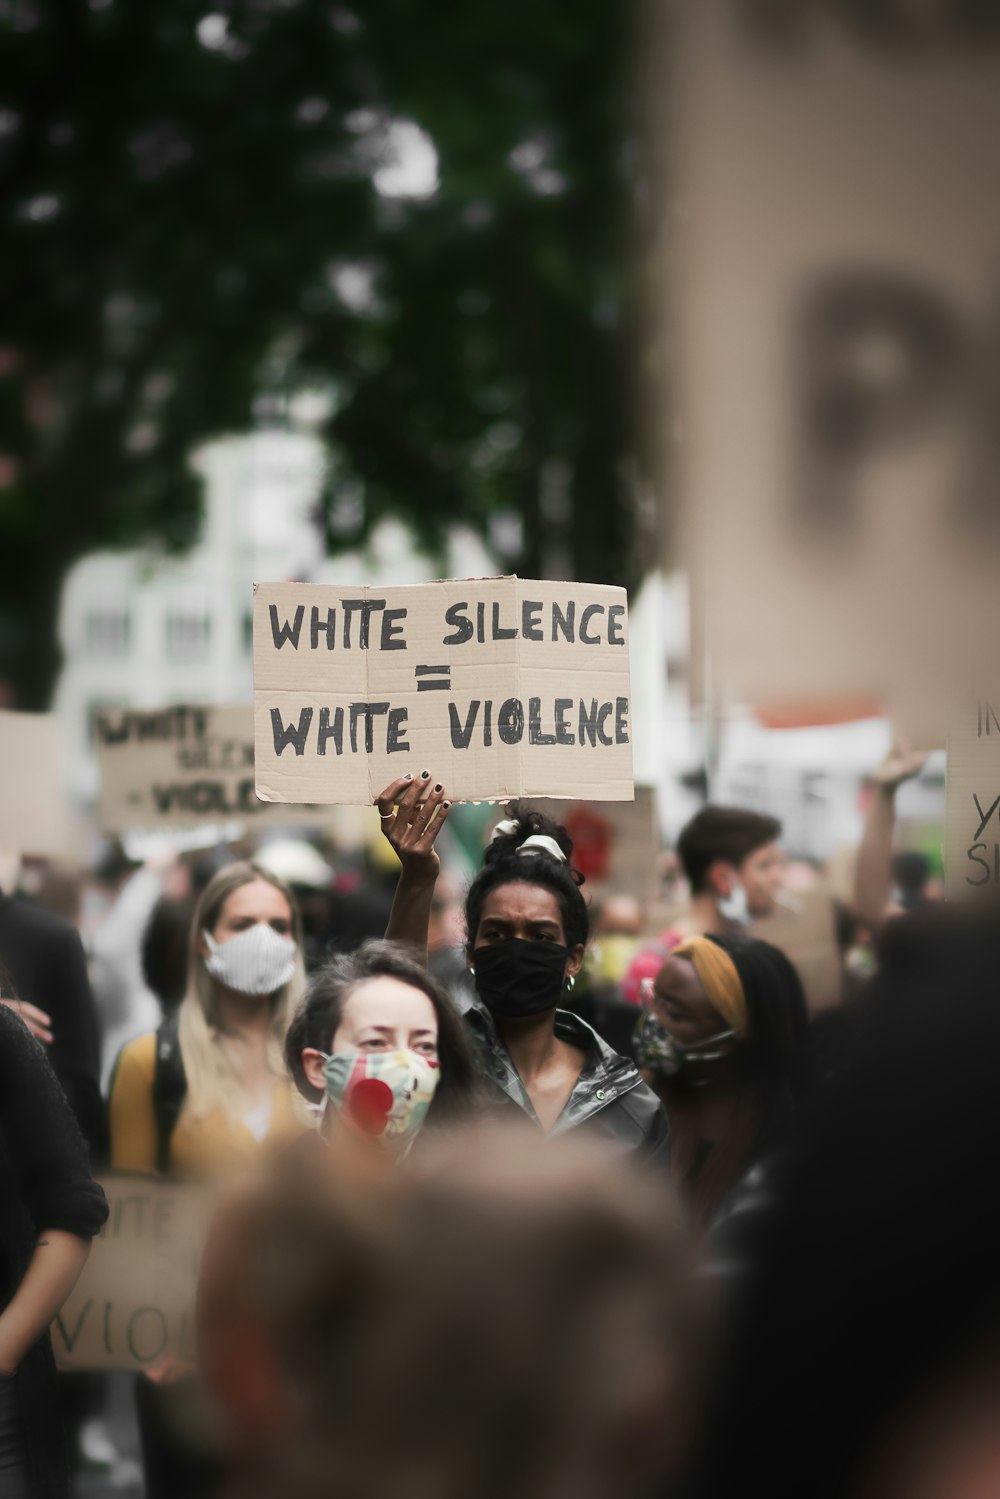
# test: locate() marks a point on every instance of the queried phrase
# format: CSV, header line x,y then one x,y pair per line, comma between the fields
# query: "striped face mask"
x,y
381,1092
258,961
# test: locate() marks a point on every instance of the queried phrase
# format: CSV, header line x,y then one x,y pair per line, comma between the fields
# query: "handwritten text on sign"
x,y
499,686
972,815
133,1306
180,766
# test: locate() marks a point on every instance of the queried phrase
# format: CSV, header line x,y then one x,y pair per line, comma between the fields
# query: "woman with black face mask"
x,y
527,931
723,1042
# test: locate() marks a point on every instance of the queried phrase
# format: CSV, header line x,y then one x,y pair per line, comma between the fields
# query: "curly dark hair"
x,y
319,1014
503,864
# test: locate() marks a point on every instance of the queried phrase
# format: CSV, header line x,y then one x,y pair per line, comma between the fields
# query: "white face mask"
x,y
735,907
258,961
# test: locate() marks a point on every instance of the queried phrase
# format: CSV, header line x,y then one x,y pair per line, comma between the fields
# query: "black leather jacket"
x,y
609,1096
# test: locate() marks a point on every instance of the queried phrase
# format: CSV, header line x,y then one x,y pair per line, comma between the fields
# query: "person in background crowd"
x,y
876,894
911,879
378,1045
446,937
310,878
871,1319
62,891
597,997
618,925
733,865
527,929
201,1095
46,970
364,1332
723,1044
167,933
126,1005
245,980
51,1210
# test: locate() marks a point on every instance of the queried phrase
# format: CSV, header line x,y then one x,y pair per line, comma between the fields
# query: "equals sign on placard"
x,y
433,678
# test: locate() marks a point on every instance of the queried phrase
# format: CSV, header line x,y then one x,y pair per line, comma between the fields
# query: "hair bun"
x,y
527,833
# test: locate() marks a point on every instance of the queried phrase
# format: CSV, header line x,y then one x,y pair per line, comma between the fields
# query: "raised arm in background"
x,y
873,877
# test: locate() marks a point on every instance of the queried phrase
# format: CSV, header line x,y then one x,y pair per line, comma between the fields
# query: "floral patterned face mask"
x,y
381,1093
658,1051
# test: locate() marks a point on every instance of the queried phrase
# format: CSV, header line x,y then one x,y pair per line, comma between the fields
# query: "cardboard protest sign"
x,y
803,927
134,1303
180,767
498,686
834,230
972,803
616,845
34,817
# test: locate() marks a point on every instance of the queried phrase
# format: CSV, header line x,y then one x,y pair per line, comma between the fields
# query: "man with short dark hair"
x,y
733,865
734,868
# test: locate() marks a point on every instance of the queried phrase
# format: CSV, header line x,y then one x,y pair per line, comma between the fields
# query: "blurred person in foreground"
x,y
51,1209
493,1319
526,932
734,867
872,1318
724,1043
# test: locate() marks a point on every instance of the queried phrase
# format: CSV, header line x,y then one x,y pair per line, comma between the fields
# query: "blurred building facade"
x,y
142,630
139,629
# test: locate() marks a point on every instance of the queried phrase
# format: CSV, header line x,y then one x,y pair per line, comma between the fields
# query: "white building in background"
x,y
142,630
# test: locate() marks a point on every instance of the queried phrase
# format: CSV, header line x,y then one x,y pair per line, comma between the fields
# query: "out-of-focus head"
x,y
489,1319
876,1269
296,862
620,916
911,870
728,850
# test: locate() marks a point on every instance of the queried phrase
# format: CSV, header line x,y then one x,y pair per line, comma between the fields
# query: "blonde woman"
x,y
203,1094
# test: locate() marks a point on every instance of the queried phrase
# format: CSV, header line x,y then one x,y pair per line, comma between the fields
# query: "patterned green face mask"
x,y
382,1093
658,1051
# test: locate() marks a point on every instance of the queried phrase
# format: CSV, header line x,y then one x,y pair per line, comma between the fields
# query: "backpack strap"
x,y
169,1088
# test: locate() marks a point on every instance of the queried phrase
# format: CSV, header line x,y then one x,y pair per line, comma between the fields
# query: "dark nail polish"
x,y
424,774
447,805
437,788
408,776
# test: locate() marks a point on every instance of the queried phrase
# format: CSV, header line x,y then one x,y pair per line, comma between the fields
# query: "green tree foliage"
x,y
199,206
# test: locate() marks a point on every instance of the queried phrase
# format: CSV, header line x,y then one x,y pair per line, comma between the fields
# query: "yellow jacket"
x,y
208,1146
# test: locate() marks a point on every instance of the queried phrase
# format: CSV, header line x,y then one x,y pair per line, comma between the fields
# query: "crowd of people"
x,y
580,1205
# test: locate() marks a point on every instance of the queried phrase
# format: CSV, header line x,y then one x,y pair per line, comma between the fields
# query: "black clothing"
x,y
609,1096
13,1466
45,965
45,1183
601,1005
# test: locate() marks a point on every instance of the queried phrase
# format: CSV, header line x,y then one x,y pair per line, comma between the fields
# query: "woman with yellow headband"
x,y
722,1041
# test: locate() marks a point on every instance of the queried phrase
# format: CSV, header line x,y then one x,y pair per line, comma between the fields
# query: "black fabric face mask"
x,y
515,978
